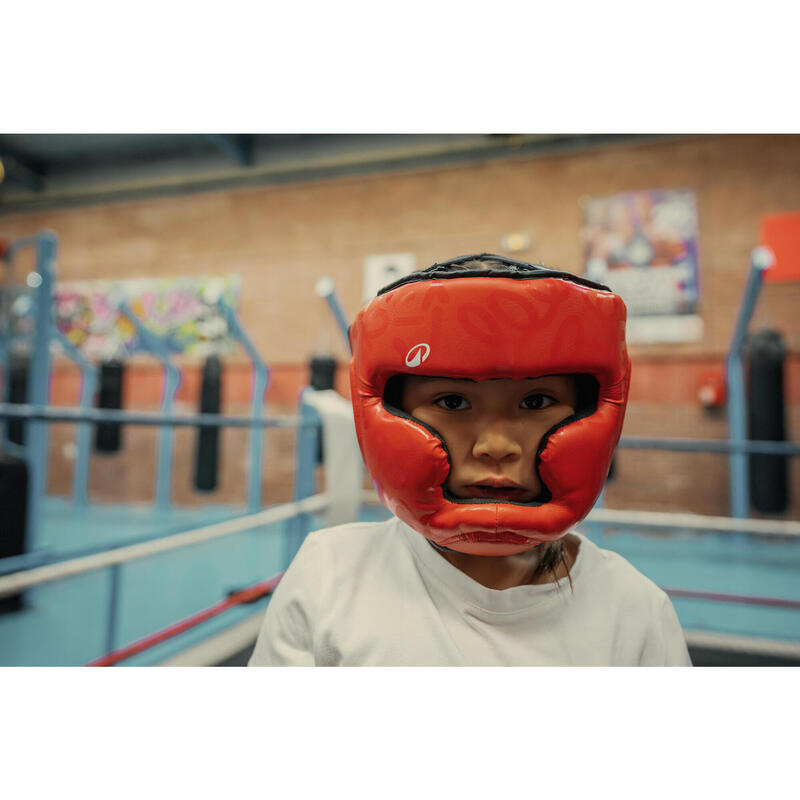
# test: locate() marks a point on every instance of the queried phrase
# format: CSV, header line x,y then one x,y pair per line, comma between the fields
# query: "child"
x,y
489,396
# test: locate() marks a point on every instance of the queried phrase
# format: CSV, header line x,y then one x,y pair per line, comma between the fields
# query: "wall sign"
x,y
181,310
643,245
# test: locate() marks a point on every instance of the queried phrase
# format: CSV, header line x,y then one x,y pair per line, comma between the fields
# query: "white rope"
x,y
17,581
743,644
698,522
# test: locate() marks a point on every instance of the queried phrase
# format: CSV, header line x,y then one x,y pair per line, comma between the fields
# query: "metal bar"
x,y
305,482
256,436
761,259
61,414
260,384
80,473
172,380
38,433
327,291
113,609
11,584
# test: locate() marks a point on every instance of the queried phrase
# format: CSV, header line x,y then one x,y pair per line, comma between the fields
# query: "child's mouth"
x,y
507,493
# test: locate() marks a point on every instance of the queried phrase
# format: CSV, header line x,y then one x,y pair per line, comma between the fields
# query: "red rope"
x,y
749,600
249,595
260,590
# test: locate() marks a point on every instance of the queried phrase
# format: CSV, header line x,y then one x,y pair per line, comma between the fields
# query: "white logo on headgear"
x,y
417,354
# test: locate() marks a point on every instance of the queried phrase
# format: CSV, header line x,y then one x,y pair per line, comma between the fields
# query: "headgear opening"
x,y
509,320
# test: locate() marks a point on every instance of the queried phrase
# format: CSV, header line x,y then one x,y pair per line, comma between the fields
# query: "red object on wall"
x,y
711,392
781,233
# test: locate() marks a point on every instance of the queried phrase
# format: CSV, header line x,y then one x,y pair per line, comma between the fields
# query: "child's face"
x,y
492,429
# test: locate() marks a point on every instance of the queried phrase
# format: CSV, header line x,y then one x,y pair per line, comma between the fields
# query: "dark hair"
x,y
552,554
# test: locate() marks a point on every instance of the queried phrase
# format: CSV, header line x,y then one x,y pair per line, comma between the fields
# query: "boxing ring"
x,y
191,588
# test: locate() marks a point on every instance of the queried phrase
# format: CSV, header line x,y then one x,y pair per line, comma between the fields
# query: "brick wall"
x,y
282,239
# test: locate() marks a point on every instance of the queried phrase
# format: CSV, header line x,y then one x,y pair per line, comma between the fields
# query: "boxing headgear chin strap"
x,y
521,321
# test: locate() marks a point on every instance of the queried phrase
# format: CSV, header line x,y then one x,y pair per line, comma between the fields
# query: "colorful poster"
x,y
643,245
182,311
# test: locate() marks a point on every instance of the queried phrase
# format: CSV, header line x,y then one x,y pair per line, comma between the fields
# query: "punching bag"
x,y
107,435
17,393
14,506
765,407
323,370
207,448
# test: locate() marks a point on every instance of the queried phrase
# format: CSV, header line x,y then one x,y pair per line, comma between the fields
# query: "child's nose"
x,y
498,444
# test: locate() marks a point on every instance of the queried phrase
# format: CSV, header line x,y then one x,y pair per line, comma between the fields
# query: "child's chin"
x,y
489,543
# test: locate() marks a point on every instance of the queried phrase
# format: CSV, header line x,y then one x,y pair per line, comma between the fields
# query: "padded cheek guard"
x,y
480,326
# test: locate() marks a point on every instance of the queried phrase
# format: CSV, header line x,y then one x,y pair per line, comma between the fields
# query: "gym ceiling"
x,y
48,170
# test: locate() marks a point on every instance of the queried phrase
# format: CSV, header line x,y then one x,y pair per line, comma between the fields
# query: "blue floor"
x,y
67,622
721,563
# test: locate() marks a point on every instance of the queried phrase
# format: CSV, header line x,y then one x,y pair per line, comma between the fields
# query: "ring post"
x,y
37,432
89,372
761,259
327,291
305,482
260,384
113,608
172,380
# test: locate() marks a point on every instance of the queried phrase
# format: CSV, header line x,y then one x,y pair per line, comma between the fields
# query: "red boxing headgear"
x,y
516,321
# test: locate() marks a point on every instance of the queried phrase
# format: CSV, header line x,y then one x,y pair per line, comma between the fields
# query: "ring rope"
x,y
18,581
249,595
260,590
697,522
744,599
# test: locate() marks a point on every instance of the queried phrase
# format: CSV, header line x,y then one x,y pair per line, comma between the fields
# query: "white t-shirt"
x,y
378,594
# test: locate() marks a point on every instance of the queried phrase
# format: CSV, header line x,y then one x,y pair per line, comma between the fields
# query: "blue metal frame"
x,y
305,468
89,379
172,380
761,259
327,291
37,435
260,384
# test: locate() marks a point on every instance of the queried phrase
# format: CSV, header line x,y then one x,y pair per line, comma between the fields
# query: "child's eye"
x,y
535,402
452,402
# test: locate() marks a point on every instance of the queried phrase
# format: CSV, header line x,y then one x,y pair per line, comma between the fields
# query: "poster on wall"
x,y
182,311
382,269
643,245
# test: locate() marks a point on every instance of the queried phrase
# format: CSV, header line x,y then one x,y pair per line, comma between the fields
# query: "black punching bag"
x,y
768,473
13,512
17,393
107,435
323,370
207,449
